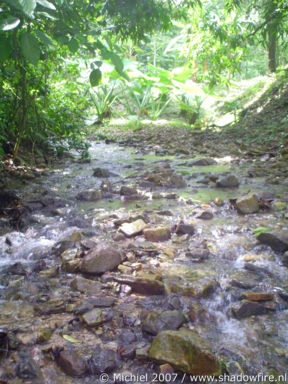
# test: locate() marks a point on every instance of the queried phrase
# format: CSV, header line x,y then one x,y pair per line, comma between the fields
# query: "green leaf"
x,y
9,24
46,4
47,15
5,48
257,231
71,339
73,45
30,48
46,40
95,77
28,6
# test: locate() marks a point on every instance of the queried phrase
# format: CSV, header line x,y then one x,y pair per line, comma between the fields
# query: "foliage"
x,y
103,99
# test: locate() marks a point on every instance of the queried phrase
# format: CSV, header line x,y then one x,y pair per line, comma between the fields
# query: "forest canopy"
x,y
45,46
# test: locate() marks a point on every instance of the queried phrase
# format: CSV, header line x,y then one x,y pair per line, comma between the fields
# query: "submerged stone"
x,y
229,181
72,363
155,322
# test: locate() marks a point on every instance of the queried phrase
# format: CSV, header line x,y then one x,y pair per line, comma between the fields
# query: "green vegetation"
x,y
63,63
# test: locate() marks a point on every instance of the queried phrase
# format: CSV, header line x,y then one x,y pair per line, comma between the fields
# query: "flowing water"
x,y
254,344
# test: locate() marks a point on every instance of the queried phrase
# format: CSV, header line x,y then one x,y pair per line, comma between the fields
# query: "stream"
x,y
207,273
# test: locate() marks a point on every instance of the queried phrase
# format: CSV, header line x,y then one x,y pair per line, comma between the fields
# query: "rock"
x,y
257,296
145,283
183,229
71,363
128,191
100,260
155,322
102,173
103,360
97,317
185,351
134,228
198,254
203,161
27,369
248,204
157,234
90,195
204,215
17,269
85,285
278,241
247,309
8,198
229,181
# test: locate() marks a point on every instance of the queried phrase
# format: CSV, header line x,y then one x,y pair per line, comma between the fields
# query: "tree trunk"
x,y
272,48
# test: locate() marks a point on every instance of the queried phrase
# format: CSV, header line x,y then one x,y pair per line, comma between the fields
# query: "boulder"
x,y
101,259
186,351
155,322
71,363
204,215
248,204
90,195
133,229
228,181
157,234
277,240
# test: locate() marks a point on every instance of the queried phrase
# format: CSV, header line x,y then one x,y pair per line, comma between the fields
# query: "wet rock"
x,y
100,260
102,173
145,283
248,204
90,195
97,317
204,215
228,181
103,360
56,305
85,285
155,322
248,309
157,234
198,254
17,269
72,363
185,351
125,190
133,229
257,296
70,263
261,271
278,241
203,162
183,229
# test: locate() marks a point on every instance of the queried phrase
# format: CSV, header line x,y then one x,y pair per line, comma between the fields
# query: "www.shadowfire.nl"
x,y
259,378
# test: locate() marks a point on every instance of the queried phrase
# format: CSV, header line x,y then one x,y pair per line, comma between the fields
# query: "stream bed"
x,y
204,268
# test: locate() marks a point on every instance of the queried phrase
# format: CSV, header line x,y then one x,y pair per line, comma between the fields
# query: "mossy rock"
x,y
185,351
